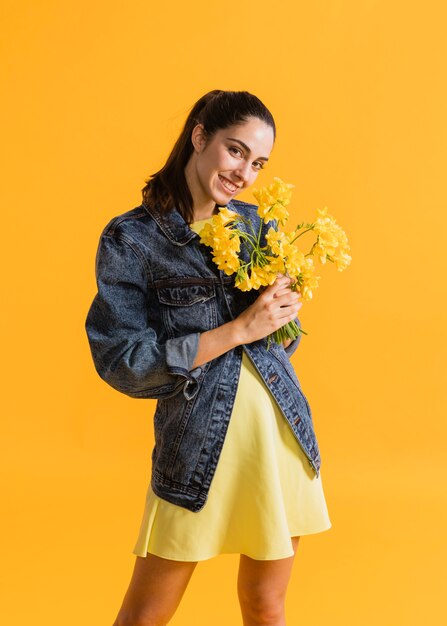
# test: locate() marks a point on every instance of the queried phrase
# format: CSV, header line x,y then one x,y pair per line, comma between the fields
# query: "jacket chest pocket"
x,y
187,308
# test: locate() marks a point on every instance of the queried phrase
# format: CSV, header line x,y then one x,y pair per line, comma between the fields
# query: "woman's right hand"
x,y
276,305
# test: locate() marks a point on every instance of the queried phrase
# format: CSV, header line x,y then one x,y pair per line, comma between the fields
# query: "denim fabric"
x,y
158,289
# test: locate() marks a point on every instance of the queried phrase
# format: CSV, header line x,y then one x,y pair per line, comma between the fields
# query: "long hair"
x,y
216,110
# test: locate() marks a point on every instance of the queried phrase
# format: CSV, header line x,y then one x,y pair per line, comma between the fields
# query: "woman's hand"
x,y
276,305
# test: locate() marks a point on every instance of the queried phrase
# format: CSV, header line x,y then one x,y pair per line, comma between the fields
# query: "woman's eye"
x,y
258,164
237,149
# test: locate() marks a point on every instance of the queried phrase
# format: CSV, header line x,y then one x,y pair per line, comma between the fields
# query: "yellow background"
x,y
93,97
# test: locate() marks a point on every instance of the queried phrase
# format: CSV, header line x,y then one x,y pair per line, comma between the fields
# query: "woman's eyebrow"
x,y
244,145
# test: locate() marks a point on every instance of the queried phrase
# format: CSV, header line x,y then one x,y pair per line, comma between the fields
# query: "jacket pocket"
x,y
186,295
187,308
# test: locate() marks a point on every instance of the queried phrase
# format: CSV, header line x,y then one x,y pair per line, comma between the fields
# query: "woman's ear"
x,y
198,137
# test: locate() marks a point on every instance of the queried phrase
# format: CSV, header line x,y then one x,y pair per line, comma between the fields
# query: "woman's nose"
x,y
243,171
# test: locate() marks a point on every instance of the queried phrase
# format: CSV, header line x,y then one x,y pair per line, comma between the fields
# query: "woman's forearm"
x,y
213,343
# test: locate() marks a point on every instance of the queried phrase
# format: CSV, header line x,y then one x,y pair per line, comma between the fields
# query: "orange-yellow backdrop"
x,y
94,94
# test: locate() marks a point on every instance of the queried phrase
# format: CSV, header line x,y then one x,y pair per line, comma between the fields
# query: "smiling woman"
x,y
218,170
234,131
236,462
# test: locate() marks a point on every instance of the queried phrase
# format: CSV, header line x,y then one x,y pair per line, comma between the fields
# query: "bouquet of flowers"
x,y
280,254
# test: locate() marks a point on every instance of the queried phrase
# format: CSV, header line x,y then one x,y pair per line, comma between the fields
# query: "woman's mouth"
x,y
228,185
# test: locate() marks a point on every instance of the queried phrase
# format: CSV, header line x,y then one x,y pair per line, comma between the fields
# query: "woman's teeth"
x,y
226,183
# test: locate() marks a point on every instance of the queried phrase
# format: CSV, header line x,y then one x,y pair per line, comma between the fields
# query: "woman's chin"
x,y
221,200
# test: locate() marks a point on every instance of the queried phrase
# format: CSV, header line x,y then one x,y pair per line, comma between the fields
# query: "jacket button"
x,y
298,419
273,378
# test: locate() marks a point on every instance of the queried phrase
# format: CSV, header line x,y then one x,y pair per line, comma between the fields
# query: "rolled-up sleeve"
x,y
124,346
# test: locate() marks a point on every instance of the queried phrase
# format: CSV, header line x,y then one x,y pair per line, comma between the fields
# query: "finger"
x,y
287,290
291,305
284,303
280,276
281,282
285,297
288,311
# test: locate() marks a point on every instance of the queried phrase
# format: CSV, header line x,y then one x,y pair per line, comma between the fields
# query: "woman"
x,y
167,324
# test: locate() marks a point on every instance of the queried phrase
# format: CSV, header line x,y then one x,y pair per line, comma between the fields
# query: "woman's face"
x,y
229,163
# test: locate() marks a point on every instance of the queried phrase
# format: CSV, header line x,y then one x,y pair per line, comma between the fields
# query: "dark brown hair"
x,y
216,110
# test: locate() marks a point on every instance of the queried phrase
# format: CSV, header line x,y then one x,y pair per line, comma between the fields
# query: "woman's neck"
x,y
200,215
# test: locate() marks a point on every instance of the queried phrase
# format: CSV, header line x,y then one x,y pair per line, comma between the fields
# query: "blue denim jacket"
x,y
158,289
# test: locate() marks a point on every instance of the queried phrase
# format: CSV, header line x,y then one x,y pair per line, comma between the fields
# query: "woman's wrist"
x,y
213,343
236,332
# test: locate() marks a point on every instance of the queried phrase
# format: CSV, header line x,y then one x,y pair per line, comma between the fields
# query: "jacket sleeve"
x,y
124,346
295,343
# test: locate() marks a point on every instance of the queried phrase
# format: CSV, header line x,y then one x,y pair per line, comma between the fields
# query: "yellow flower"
x,y
278,191
308,279
206,234
215,231
276,264
273,200
227,260
295,261
223,238
326,244
224,241
259,276
287,257
242,281
275,211
324,220
331,241
342,259
274,239
225,216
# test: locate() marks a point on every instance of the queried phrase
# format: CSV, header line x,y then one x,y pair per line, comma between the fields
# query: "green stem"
x,y
304,231
248,222
260,230
291,330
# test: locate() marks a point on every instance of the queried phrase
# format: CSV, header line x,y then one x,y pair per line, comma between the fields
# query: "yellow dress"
x,y
263,491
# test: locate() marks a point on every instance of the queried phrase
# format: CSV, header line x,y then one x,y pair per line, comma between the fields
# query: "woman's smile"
x,y
228,185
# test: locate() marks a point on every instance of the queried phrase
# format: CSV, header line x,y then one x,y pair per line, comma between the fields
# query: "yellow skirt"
x,y
263,491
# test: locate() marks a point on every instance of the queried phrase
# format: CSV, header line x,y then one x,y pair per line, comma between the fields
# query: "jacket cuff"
x,y
180,356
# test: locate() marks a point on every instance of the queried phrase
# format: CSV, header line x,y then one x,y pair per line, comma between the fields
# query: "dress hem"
x,y
257,558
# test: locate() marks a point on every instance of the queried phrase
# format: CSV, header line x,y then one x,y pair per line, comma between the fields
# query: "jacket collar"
x,y
173,225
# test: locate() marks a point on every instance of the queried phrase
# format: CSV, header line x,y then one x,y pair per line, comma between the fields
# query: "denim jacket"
x,y
158,289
